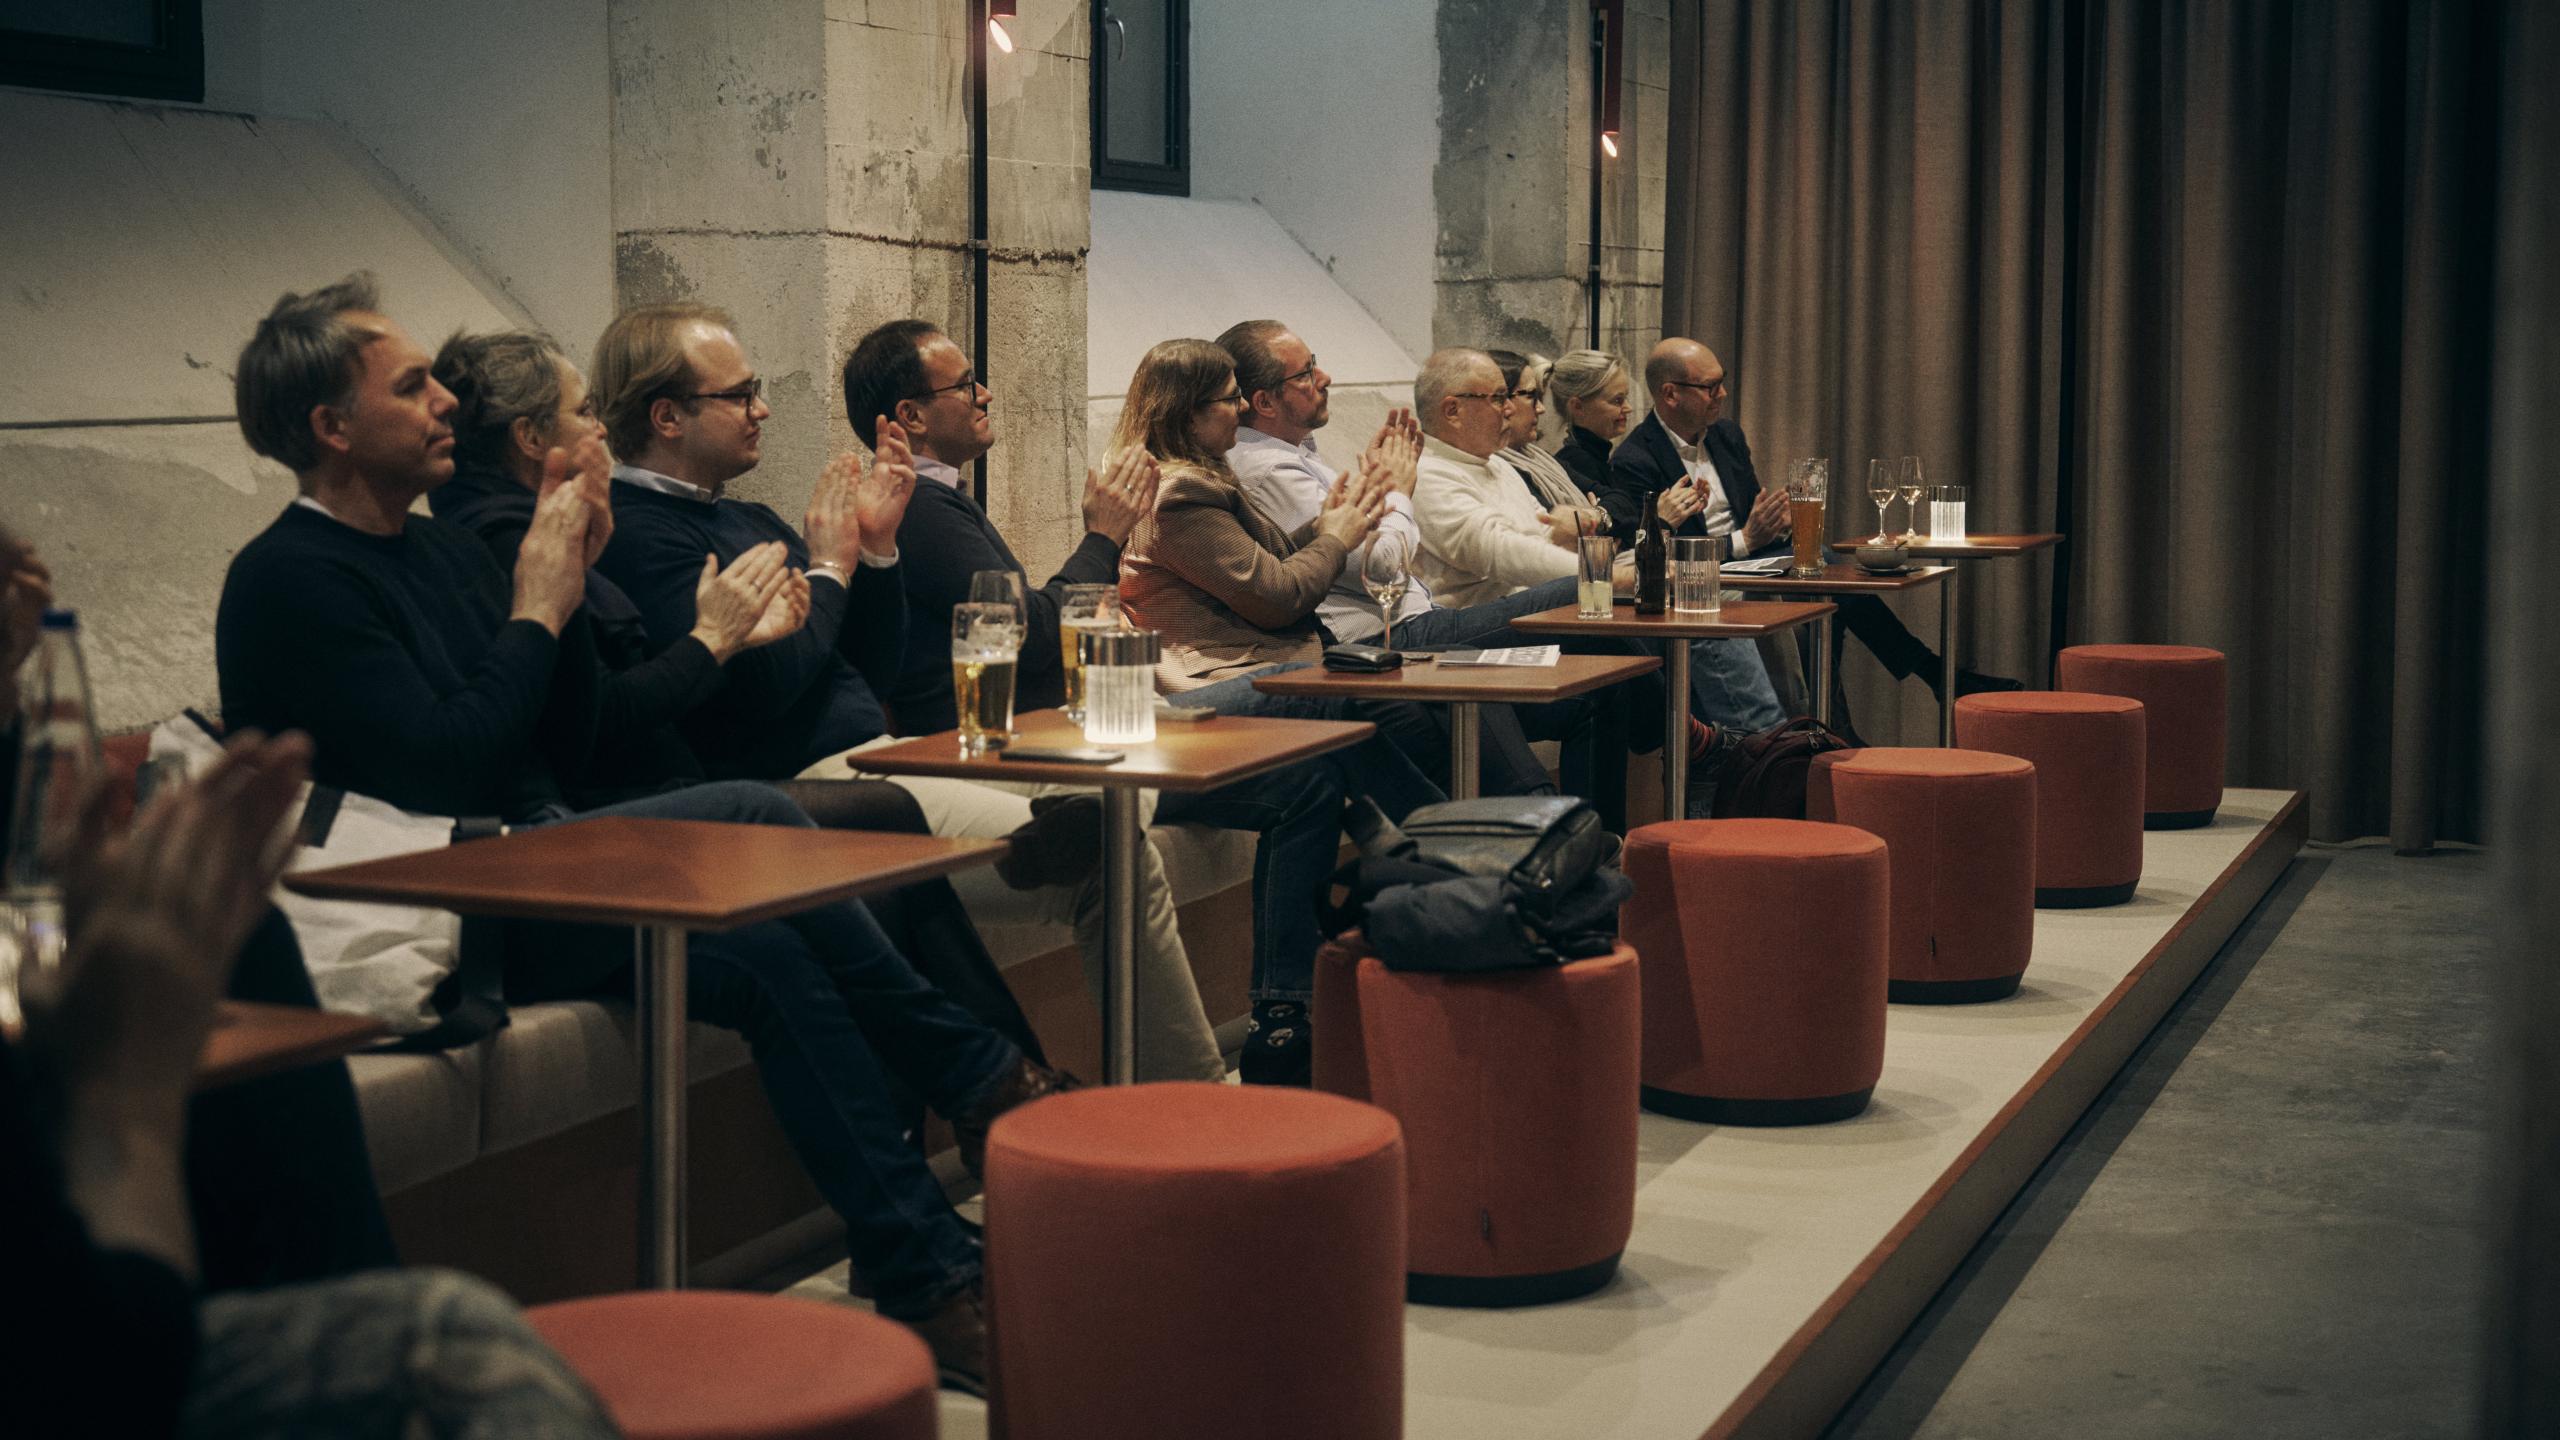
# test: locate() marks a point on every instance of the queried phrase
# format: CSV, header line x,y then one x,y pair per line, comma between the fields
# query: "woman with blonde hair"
x,y
1587,410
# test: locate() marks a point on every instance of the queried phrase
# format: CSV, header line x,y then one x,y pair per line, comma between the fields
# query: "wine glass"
x,y
999,587
1386,572
1914,489
1880,488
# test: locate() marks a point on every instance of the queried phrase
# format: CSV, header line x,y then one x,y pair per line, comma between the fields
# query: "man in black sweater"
x,y
809,711
426,677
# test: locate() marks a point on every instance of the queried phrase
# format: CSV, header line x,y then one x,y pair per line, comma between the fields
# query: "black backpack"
x,y
1500,883
1766,779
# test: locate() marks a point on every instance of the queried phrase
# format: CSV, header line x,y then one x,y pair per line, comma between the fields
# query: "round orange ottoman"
x,y
1517,1093
704,1365
1961,828
1175,1260
1341,1056
1763,945
2088,754
2184,690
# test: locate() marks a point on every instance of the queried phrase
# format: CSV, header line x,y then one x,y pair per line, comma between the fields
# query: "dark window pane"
x,y
1134,129
117,22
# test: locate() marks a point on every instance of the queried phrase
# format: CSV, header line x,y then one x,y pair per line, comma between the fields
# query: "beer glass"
x,y
1086,607
1808,486
1697,587
986,651
1595,572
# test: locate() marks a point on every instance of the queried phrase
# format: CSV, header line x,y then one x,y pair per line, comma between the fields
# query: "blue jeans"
x,y
831,1010
1729,687
1297,810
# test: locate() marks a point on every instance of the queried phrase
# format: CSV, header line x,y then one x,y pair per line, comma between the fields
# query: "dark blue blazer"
x,y
1647,461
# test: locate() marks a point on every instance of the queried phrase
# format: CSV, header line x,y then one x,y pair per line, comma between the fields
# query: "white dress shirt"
x,y
1290,482
928,468
1717,515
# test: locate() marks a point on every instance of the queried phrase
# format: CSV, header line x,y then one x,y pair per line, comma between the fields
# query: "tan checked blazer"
x,y
1223,586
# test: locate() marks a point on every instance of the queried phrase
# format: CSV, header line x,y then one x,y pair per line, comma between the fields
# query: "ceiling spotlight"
x,y
998,12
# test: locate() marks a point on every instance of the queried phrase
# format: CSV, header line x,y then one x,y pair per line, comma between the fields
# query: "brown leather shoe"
x,y
956,1332
1029,1080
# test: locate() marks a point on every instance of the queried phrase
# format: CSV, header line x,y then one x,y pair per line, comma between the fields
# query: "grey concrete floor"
x,y
2266,1226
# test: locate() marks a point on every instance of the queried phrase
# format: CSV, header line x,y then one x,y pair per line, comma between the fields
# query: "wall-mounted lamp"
x,y
1607,17
998,12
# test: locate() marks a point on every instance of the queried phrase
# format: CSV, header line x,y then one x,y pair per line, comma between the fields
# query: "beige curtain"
x,y
2200,286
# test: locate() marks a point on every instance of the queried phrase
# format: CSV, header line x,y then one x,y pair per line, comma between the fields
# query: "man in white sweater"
x,y
1484,537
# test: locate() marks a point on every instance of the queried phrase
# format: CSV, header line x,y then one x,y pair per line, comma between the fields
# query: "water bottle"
x,y
57,753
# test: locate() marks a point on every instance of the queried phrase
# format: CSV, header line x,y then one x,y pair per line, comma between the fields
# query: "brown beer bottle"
x,y
1653,566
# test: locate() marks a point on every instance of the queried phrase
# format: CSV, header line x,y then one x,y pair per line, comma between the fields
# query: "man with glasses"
x,y
1484,537
1689,464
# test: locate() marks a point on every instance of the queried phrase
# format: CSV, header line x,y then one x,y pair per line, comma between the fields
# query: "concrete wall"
x,y
1512,185
1165,267
492,117
139,247
1326,113
804,163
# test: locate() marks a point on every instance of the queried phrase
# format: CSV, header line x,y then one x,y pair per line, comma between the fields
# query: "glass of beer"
x,y
986,650
1808,486
1086,608
1697,586
1595,576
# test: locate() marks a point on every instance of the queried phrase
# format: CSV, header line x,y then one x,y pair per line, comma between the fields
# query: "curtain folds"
x,y
2201,286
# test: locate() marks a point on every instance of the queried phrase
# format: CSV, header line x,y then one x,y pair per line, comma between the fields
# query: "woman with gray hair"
x,y
1525,376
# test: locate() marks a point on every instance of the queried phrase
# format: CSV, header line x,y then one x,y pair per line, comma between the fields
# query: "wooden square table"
x,y
1849,578
1671,632
1186,757
664,879
250,1039
1465,689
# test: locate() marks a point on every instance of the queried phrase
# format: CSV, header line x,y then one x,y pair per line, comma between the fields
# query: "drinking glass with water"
x,y
1595,576
1697,582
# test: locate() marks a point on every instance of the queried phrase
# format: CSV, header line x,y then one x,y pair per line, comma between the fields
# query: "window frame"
x,y
1173,178
173,69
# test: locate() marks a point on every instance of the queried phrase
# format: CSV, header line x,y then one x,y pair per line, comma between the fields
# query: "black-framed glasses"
x,y
1520,395
1498,397
1720,385
967,385
743,396
1235,398
1295,376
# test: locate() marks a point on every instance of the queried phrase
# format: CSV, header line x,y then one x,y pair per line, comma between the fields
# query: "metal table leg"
x,y
658,973
1121,837
1465,773
1947,657
1821,679
1675,729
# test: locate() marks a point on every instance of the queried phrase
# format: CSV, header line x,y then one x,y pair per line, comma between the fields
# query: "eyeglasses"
x,y
1529,395
743,396
1498,397
1235,398
967,385
1295,376
1718,386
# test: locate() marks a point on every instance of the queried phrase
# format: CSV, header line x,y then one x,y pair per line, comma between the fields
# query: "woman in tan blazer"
x,y
1227,589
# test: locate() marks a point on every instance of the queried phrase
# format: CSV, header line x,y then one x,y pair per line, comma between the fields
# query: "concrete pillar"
x,y
1513,182
804,164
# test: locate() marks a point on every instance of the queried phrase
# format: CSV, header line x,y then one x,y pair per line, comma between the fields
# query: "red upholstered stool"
x,y
1342,1057
1961,828
1178,1260
1517,1093
703,1365
1763,945
2087,750
2184,691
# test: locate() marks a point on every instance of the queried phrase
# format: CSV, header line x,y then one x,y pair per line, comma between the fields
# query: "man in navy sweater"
x,y
682,408
910,377
428,677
